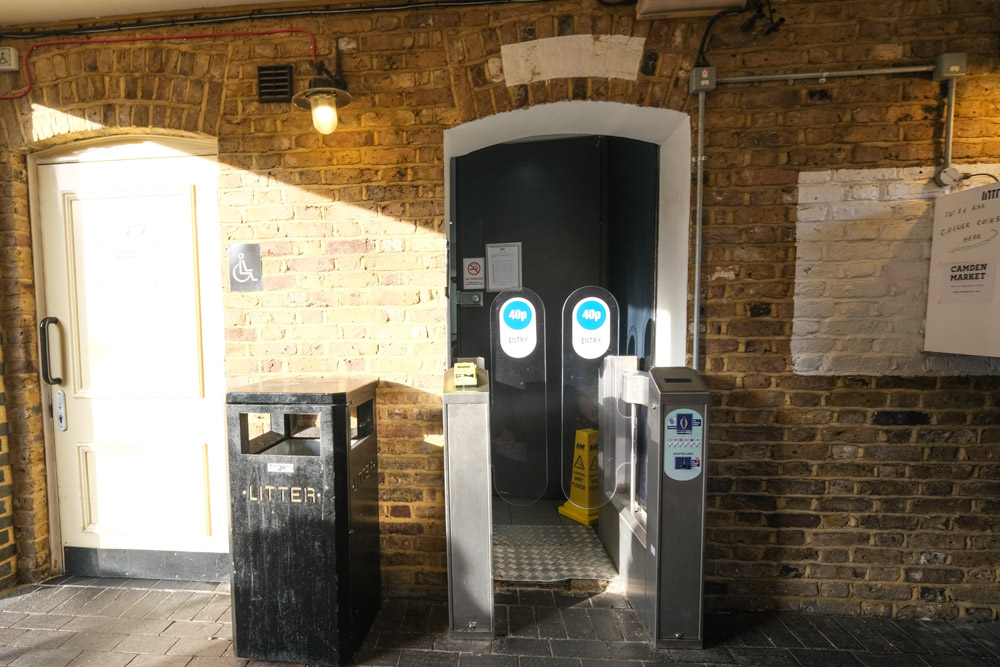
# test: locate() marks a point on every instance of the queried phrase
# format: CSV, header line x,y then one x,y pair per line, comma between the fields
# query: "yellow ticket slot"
x,y
465,374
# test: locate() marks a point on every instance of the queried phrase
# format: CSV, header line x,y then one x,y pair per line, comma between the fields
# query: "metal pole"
x,y
699,212
827,75
949,124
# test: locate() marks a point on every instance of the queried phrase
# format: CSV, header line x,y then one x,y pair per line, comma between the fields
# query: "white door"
x,y
131,269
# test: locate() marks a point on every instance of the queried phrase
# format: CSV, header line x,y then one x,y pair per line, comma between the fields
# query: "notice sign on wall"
x,y
963,315
474,273
245,271
970,283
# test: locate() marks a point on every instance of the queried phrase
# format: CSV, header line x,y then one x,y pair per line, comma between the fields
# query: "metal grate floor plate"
x,y
549,553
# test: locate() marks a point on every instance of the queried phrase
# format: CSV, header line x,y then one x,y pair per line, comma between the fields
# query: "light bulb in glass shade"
x,y
324,113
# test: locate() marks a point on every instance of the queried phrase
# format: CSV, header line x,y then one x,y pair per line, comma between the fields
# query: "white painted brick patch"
x,y
862,262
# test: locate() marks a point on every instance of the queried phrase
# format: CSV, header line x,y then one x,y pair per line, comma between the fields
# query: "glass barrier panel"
x,y
639,483
518,405
589,334
617,421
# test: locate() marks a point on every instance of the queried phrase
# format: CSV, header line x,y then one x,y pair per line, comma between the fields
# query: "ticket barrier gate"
x,y
651,458
653,424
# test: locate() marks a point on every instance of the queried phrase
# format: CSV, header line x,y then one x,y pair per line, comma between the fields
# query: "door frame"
x,y
668,129
70,152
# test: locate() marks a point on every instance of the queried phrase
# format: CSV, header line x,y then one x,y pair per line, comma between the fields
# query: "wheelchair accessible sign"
x,y
591,328
518,328
245,267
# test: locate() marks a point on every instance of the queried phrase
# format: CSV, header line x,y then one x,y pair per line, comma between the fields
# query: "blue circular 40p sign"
x,y
517,314
591,328
592,314
518,336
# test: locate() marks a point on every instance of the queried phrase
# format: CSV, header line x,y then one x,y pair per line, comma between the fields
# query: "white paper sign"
x,y
962,315
968,282
503,266
474,273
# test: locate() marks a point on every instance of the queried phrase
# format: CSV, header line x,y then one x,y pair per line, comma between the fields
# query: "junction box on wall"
x,y
8,59
948,67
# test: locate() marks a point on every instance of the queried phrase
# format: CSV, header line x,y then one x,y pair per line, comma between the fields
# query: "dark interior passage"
x,y
584,211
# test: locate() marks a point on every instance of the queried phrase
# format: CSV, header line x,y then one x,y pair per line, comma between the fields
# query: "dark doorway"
x,y
584,211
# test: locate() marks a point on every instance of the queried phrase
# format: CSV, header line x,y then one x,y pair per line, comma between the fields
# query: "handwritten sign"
x,y
962,317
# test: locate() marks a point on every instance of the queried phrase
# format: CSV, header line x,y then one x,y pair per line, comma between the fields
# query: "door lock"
x,y
60,410
470,299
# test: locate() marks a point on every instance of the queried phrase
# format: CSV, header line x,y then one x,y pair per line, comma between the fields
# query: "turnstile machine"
x,y
652,495
653,427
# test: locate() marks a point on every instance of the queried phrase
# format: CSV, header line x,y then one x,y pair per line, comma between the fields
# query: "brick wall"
x,y
853,494
857,493
23,512
8,544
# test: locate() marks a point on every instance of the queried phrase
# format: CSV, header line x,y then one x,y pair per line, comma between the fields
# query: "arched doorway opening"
x,y
578,156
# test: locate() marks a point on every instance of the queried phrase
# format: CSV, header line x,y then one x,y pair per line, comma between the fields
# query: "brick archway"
x,y
81,91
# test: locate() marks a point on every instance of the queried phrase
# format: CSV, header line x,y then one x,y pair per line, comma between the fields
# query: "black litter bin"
x,y
304,506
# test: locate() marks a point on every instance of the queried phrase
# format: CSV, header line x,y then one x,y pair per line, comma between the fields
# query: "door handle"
x,y
43,339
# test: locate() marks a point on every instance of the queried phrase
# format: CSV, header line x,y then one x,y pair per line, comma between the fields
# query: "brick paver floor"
x,y
79,622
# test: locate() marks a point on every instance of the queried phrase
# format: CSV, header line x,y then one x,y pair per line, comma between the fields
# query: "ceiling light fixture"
x,y
326,93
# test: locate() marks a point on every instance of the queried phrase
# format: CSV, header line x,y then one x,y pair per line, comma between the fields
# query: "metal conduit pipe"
x,y
700,158
915,69
699,213
949,124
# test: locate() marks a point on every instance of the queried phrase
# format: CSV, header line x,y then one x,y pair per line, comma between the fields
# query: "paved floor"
x,y
78,622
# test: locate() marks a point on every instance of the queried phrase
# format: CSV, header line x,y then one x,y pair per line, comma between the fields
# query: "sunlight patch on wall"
x,y
349,287
47,123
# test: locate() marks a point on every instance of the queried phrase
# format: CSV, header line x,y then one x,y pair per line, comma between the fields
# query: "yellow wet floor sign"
x,y
585,480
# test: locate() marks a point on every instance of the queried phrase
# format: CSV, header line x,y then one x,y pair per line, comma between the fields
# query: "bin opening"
x,y
280,435
362,420
295,447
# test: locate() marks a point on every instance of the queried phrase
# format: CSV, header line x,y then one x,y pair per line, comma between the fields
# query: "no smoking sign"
x,y
473,273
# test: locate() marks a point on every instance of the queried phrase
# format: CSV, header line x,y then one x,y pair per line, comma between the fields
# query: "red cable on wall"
x,y
27,72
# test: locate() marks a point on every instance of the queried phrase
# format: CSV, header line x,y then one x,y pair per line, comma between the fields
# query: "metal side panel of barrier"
x,y
468,506
655,422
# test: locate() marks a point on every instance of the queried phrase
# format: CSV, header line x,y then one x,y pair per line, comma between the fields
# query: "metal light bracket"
x,y
324,82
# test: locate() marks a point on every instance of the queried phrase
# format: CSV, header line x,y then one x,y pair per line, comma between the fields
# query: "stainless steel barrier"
x,y
654,528
468,506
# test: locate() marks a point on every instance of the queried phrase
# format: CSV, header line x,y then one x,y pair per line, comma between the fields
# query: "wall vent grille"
x,y
274,83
